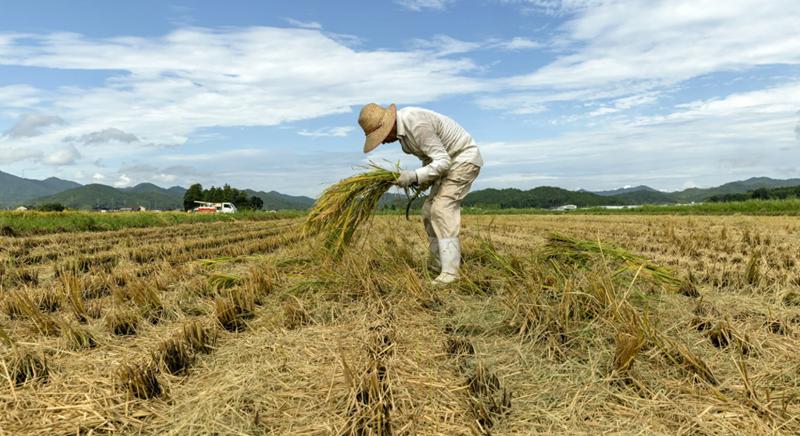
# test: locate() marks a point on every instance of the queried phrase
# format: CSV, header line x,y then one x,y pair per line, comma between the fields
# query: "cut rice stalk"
x,y
578,250
348,204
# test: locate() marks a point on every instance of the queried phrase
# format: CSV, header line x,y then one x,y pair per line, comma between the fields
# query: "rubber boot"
x,y
450,255
433,249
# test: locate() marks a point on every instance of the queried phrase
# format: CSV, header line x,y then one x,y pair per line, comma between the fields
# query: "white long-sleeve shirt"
x,y
438,141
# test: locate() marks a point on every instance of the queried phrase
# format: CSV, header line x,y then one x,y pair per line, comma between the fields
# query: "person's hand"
x,y
406,179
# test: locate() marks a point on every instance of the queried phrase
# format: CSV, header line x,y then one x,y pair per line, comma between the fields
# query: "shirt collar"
x,y
401,128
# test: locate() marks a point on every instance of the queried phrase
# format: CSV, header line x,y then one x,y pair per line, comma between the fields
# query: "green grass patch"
x,y
749,207
13,223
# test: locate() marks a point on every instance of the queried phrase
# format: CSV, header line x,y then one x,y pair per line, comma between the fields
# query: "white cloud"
x,y
304,24
710,142
623,48
341,131
32,124
624,103
98,178
12,154
519,43
66,155
200,78
420,5
443,45
123,182
797,129
104,136
670,41
557,7
19,96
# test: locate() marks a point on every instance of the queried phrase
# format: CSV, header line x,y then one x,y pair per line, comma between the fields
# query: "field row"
x,y
539,336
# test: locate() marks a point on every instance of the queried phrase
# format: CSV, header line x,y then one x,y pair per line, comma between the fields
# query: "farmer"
x,y
451,163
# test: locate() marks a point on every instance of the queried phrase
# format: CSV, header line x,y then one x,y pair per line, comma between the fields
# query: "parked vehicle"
x,y
207,207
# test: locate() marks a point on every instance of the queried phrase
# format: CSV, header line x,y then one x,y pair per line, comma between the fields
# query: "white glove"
x,y
406,179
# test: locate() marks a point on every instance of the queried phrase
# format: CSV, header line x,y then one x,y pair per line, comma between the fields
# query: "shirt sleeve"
x,y
432,147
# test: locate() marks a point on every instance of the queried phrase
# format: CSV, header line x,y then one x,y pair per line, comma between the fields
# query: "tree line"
x,y
759,194
225,194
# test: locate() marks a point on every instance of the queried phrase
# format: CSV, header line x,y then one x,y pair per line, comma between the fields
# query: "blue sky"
x,y
592,94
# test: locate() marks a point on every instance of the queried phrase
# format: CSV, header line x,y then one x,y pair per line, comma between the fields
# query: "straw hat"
x,y
376,122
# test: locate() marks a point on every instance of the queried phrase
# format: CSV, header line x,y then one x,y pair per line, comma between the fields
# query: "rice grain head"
x,y
347,205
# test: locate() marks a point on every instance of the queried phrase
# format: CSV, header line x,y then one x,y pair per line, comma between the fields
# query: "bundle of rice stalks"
x,y
123,323
294,314
77,337
140,380
27,366
43,322
627,347
47,300
224,281
198,338
74,297
489,400
348,204
233,311
175,355
579,251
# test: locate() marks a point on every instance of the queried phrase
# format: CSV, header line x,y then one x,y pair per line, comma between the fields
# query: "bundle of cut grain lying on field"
x,y
580,251
345,206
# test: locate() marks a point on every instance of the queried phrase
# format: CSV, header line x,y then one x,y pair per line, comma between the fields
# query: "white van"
x,y
225,208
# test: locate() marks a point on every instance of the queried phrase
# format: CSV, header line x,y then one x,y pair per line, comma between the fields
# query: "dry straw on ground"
x,y
523,345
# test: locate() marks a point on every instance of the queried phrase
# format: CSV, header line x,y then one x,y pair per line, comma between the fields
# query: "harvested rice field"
x,y
620,324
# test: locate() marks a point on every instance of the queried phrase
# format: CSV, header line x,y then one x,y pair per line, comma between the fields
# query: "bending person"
x,y
451,162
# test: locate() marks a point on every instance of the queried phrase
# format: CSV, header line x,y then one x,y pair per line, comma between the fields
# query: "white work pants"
x,y
441,213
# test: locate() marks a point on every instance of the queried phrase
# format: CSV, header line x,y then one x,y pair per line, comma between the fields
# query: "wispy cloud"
x,y
340,131
30,125
304,24
238,77
421,5
65,155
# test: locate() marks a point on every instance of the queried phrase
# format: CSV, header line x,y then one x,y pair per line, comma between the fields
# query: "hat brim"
x,y
375,138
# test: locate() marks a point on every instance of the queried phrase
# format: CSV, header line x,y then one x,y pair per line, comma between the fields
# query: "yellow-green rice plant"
x,y
224,281
579,251
345,206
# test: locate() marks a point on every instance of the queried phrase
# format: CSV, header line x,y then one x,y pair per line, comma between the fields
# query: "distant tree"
x,y
194,193
760,194
51,207
256,203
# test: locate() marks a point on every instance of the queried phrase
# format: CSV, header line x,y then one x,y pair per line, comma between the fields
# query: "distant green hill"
x,y
621,191
646,197
739,187
15,190
146,188
96,196
543,197
277,201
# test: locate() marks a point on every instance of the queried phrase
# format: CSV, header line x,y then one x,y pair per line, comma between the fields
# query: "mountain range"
x,y
15,191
